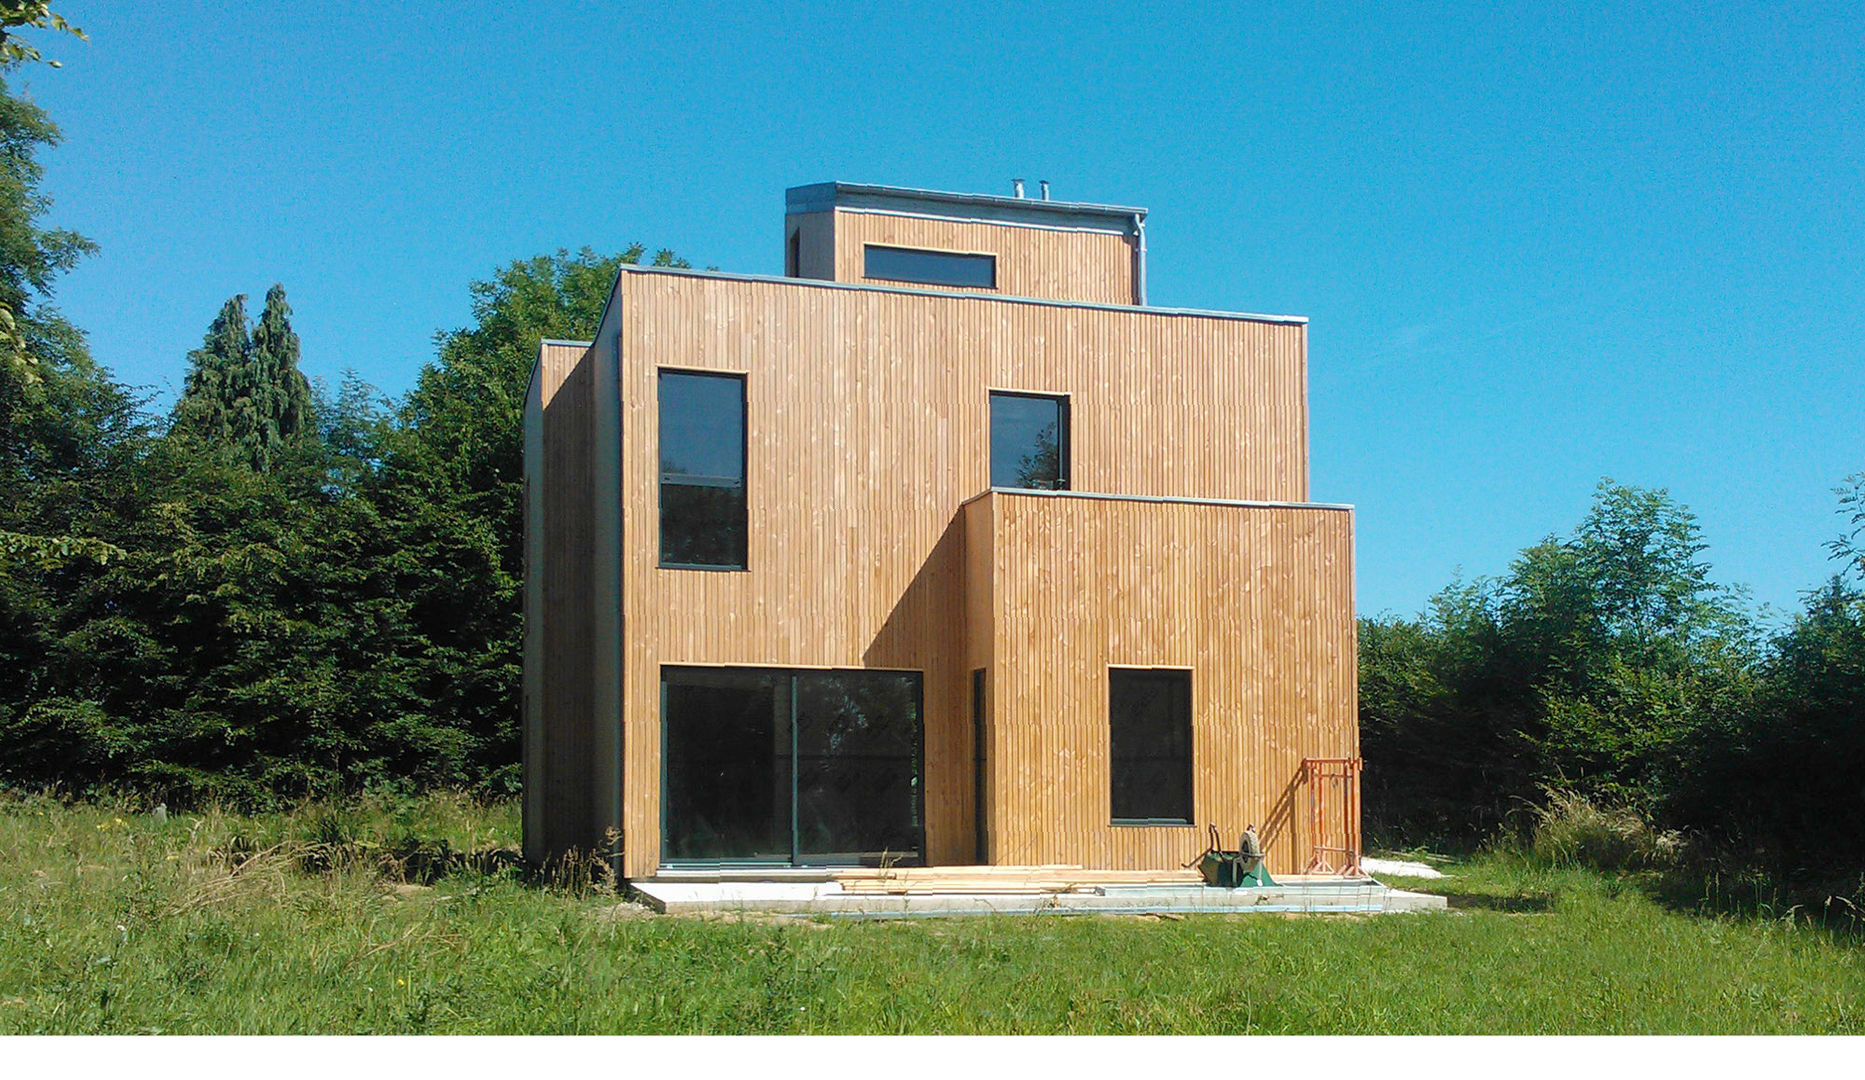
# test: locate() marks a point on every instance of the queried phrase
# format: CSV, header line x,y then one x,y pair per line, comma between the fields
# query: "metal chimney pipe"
x,y
1016,187
1045,189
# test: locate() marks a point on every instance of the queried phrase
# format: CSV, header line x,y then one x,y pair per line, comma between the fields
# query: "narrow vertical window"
x,y
702,440
1150,746
1029,441
979,794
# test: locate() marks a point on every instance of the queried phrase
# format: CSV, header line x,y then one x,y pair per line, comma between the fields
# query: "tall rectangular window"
x,y
1150,717
702,438
980,796
929,267
1029,441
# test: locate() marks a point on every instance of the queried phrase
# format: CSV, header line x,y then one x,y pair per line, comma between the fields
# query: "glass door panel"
x,y
726,777
858,767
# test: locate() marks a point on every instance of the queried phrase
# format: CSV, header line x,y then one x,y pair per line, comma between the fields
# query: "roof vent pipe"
x,y
1016,187
1044,189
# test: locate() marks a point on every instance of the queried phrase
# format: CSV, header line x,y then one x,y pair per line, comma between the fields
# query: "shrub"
x,y
1571,829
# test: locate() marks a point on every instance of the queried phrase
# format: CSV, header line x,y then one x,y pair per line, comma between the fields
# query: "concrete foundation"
x,y
809,898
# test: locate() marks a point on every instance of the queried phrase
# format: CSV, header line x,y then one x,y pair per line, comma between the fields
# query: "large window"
x,y
1150,717
1029,441
929,267
803,767
702,437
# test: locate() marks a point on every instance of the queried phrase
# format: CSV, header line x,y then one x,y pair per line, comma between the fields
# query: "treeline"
x,y
278,590
271,591
1606,669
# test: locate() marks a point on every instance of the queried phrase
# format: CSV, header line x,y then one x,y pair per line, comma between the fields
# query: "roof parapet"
x,y
840,195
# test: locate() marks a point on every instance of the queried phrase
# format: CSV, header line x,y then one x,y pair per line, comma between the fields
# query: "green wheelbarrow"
x,y
1235,869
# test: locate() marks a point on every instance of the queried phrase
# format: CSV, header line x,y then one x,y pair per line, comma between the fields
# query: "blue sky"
x,y
1537,247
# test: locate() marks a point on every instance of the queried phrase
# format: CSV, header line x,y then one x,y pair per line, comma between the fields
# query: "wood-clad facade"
x,y
875,541
1254,601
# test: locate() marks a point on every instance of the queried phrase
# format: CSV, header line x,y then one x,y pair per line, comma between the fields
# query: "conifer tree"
x,y
215,372
282,396
244,390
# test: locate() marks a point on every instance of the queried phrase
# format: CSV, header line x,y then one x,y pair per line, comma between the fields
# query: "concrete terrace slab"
x,y
809,898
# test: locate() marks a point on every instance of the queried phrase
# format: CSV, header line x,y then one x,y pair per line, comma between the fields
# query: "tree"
x,y
1849,546
1782,780
1042,466
244,389
31,258
280,389
450,492
1588,667
34,13
216,372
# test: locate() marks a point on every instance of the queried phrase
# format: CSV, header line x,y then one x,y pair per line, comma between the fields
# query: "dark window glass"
x,y
858,774
1150,716
980,703
702,437
1029,441
804,767
929,267
726,753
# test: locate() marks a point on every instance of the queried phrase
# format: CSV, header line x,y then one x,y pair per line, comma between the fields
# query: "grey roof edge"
x,y
1109,496
538,364
722,275
839,194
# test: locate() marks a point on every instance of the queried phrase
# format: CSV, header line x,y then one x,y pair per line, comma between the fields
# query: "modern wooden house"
x,y
944,549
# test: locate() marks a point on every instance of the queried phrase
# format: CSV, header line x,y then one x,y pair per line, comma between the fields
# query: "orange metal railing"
x,y
1333,815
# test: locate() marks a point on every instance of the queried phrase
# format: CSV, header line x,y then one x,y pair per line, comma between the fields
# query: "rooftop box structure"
x,y
942,549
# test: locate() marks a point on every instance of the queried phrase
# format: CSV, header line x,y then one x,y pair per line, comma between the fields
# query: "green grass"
x,y
111,922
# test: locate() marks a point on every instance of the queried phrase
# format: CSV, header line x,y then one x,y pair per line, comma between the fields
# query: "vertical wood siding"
x,y
560,609
1052,264
1256,601
816,244
867,429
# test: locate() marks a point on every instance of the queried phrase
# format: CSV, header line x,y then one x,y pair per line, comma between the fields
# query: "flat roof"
x,y
946,294
1114,496
842,195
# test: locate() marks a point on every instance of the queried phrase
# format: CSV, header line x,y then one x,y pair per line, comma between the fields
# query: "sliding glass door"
x,y
801,767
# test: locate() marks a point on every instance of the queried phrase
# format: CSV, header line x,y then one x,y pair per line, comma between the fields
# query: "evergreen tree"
x,y
215,372
281,396
244,389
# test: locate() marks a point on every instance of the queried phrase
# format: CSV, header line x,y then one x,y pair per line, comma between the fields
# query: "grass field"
x,y
114,922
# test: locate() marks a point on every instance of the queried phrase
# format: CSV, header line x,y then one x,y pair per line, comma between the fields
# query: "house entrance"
x,y
790,767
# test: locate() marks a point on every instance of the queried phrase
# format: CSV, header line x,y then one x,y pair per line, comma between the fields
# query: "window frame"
x,y
1190,777
1065,463
660,476
797,858
988,256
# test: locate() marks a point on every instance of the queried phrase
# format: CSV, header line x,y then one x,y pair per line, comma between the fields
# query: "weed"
x,y
1572,830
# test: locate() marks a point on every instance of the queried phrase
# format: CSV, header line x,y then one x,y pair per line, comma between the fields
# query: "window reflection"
x,y
1029,441
702,489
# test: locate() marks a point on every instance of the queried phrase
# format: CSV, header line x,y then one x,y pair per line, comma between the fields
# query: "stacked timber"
x,y
1002,880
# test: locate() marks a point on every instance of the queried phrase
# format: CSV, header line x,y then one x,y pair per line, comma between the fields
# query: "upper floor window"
x,y
1150,746
929,267
702,438
1029,441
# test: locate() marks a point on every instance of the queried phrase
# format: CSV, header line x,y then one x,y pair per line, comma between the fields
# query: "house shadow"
x,y
925,632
